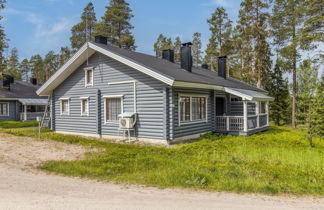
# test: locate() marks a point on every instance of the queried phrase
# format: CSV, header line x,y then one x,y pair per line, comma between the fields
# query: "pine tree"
x,y
253,32
162,43
83,31
307,83
312,31
314,117
25,69
286,21
65,54
51,64
158,45
176,47
3,41
116,26
219,44
37,67
319,109
13,65
196,49
278,89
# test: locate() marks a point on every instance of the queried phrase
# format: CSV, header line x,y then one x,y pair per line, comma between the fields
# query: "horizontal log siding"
x,y
106,70
192,128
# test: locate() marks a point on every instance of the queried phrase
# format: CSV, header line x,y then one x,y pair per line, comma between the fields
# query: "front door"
x,y
220,106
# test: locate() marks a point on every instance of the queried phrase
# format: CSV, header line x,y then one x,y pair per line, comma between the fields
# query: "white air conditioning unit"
x,y
126,123
126,120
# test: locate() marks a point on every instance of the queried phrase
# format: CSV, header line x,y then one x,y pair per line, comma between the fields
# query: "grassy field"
x,y
17,124
278,161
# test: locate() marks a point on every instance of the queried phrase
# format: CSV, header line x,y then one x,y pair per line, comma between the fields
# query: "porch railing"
x,y
236,123
229,123
30,116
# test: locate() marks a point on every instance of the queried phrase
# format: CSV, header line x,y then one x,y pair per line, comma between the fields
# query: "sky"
x,y
38,26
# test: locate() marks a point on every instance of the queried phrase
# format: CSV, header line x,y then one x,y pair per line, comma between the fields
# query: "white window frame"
x,y
105,107
190,97
8,111
81,105
68,111
86,84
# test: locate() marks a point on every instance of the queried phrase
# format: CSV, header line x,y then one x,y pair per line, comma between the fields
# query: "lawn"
x,y
278,161
17,124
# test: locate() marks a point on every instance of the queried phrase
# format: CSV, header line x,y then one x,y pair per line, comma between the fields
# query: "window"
x,y
262,108
4,109
88,76
192,108
84,106
113,108
65,109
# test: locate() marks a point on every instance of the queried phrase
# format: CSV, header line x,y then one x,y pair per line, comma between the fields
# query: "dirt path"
x,y
24,187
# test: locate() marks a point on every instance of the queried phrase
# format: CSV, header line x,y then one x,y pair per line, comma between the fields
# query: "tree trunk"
x,y
293,106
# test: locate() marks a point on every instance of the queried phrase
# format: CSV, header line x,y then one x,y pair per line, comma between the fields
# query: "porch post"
x,y
25,112
257,112
267,111
245,127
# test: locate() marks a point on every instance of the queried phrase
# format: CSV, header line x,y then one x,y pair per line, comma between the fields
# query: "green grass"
x,y
278,161
17,124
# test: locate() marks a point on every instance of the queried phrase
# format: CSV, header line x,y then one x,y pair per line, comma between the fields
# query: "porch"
x,y
31,109
243,112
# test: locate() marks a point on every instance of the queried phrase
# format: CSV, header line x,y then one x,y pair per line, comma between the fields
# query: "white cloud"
x,y
43,27
220,3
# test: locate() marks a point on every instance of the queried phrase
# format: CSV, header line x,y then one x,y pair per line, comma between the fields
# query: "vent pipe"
x,y
204,66
101,39
33,81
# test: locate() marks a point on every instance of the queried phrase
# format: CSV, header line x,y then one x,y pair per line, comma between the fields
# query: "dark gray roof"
x,y
175,72
19,89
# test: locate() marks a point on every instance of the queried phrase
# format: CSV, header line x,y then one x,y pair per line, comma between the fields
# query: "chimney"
x,y
33,81
101,39
168,55
7,80
185,56
204,66
222,66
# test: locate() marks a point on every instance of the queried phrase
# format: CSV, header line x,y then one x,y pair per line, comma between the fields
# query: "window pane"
x,y
184,109
198,108
3,109
84,104
113,108
65,106
89,76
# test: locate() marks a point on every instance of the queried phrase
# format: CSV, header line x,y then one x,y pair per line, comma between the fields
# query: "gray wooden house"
x,y
170,101
19,101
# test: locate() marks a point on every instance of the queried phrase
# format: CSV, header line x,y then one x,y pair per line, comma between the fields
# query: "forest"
x,y
273,45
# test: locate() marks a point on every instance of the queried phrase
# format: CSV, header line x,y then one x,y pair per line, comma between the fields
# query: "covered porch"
x,y
31,109
242,112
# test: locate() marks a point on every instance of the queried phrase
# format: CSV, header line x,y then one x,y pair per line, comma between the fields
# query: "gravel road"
x,y
24,187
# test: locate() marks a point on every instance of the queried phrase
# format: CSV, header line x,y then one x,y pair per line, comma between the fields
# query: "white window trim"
x,y
121,108
86,113
85,76
8,110
68,111
191,96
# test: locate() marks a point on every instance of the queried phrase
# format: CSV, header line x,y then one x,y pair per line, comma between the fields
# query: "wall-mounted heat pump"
x,y
127,120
